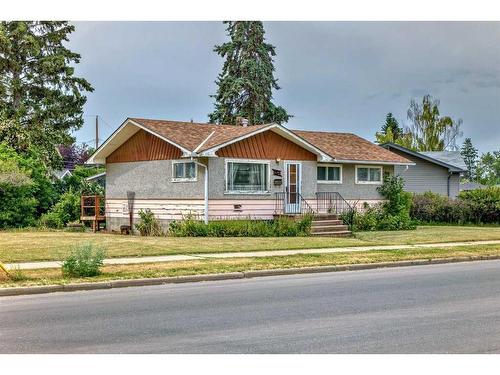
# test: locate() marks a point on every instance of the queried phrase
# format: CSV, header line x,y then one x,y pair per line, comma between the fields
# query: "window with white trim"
x,y
247,177
329,173
184,171
368,175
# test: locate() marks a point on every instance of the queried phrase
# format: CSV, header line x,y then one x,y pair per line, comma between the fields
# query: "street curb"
x,y
17,291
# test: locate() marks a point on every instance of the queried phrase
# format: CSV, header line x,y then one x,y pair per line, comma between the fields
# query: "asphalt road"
x,y
452,308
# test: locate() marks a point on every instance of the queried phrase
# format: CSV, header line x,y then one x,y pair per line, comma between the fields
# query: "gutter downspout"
x,y
206,188
448,184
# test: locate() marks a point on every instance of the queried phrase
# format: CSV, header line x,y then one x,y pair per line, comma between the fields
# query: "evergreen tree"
x,y
469,154
391,132
41,100
247,80
392,124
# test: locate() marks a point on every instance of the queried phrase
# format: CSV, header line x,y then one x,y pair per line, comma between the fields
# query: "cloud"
x,y
338,76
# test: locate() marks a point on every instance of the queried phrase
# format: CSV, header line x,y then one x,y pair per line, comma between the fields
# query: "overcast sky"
x,y
335,76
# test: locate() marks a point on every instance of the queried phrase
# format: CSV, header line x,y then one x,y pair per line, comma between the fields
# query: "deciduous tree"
x,y
429,130
488,168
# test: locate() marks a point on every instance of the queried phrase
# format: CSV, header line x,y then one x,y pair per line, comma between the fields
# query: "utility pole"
x,y
96,132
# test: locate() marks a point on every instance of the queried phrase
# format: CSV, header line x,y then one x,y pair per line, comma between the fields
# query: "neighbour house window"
x,y
247,177
331,174
368,175
184,171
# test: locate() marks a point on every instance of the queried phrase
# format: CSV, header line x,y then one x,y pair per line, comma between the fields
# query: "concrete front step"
x,y
323,217
345,233
329,228
326,222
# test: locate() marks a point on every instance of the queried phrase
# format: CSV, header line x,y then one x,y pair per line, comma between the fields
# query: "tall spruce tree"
x,y
41,99
392,124
469,154
393,133
247,80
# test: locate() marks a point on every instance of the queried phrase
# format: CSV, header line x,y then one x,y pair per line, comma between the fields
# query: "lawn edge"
x,y
17,291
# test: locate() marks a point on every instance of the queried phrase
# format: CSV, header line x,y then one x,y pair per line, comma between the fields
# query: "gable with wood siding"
x,y
144,146
266,145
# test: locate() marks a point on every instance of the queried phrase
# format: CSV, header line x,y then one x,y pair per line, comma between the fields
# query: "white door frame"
x,y
293,208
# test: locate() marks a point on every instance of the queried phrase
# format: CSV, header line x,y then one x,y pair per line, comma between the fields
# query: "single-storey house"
x,y
61,173
435,171
228,171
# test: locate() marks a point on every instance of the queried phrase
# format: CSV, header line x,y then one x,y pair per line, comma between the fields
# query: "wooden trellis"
x,y
93,210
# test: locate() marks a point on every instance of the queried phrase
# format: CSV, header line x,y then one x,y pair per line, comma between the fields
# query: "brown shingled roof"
x,y
346,146
191,134
340,146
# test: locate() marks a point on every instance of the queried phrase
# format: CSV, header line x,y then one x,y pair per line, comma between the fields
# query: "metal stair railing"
x,y
280,204
331,203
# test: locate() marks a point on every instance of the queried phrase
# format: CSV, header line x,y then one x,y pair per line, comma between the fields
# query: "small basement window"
x,y
329,174
184,171
368,175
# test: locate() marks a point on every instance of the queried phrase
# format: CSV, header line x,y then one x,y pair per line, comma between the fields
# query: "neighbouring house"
x,y
61,173
227,171
435,171
99,178
468,186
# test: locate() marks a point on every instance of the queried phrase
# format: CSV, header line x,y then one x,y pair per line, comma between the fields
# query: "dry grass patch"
x,y
24,246
208,266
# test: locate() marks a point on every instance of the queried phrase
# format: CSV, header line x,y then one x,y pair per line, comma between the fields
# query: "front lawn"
x,y
25,245
208,266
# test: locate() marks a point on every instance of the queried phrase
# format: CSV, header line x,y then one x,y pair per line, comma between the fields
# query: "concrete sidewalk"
x,y
251,254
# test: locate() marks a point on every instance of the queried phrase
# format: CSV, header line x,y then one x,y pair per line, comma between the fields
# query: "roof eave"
x,y
374,162
451,168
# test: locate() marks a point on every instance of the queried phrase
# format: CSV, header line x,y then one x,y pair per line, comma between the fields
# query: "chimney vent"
x,y
241,121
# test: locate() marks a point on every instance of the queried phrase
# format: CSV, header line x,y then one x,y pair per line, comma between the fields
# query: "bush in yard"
x,y
51,220
148,224
393,214
481,206
304,225
282,227
431,207
17,274
63,212
85,260
18,206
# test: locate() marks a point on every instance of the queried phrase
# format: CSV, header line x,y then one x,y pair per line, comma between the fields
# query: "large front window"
x,y
247,177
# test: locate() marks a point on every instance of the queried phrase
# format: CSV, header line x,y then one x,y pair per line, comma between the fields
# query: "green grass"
x,y
36,245
207,266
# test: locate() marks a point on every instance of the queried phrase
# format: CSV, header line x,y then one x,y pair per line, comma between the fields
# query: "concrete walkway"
x,y
252,254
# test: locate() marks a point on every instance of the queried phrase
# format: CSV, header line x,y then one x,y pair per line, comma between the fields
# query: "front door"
x,y
292,187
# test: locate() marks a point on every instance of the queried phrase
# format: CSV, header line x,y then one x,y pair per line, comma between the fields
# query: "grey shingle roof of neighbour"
x,y
471,186
449,157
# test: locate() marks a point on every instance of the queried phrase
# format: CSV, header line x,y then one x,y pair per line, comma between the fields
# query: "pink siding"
x,y
250,208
